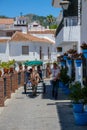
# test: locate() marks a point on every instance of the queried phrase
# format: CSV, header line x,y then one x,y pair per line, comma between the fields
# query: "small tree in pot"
x,y
76,96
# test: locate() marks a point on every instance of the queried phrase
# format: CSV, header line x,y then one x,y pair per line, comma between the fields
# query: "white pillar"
x,y
78,76
69,69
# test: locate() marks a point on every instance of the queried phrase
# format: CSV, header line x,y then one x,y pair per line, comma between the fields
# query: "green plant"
x,y
84,93
76,94
63,76
71,51
84,45
54,26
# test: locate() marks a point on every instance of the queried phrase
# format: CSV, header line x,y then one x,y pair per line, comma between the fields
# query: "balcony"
x,y
68,31
71,21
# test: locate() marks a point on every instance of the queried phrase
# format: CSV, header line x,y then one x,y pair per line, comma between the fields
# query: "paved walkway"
x,y
24,112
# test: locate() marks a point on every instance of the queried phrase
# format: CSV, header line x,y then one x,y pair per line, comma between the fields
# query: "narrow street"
x,y
24,112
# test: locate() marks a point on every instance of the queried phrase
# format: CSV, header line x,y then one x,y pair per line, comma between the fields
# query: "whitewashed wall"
x,y
34,50
4,52
84,22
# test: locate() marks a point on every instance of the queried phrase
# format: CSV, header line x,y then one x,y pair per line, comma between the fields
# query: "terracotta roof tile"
x,y
43,32
19,36
3,40
6,21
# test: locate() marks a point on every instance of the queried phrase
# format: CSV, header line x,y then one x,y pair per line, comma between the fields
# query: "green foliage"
x,y
54,26
7,64
41,19
76,94
63,76
50,19
2,16
84,92
44,21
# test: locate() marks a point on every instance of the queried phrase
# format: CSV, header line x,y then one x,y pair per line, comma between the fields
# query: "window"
x,y
25,50
59,49
40,52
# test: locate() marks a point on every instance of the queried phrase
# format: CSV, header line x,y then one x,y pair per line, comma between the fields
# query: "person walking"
x,y
48,71
55,79
34,78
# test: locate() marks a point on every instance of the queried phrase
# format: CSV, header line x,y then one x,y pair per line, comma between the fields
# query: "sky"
x,y
13,8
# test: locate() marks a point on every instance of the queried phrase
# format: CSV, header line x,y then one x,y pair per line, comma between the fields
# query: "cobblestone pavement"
x,y
25,112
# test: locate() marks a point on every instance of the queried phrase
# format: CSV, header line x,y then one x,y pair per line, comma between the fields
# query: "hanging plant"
x,y
71,51
77,56
84,45
6,65
84,49
65,56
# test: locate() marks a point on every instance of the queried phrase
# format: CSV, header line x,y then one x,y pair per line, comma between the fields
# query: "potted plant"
x,y
84,46
84,49
65,56
71,51
78,59
76,96
69,60
65,79
84,92
63,75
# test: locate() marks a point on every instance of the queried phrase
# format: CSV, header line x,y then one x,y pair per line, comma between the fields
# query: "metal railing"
x,y
71,21
60,26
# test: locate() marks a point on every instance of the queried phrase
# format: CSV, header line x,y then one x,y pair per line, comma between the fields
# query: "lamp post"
x,y
64,4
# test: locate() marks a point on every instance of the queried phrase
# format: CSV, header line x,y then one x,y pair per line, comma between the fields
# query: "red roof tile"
x,y
18,36
43,32
6,21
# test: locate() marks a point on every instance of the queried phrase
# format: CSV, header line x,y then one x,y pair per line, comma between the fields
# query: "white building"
x,y
84,22
22,47
18,43
35,26
71,31
68,34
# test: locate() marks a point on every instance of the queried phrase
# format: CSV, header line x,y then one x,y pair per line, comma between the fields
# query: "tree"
x,y
50,19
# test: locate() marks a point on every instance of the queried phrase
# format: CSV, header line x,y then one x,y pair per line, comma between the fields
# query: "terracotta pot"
x,y
11,69
6,70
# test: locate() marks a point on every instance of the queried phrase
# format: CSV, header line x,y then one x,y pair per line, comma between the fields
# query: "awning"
x,y
33,63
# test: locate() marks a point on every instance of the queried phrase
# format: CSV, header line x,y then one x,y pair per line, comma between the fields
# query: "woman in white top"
x,y
55,80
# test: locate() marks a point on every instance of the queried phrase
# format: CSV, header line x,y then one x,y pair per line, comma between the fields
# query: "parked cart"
x,y
33,63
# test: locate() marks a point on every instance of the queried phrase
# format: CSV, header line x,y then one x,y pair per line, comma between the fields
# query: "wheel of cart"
x,y
25,88
32,63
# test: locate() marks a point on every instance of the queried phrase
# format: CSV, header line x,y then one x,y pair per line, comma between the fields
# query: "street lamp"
x,y
65,4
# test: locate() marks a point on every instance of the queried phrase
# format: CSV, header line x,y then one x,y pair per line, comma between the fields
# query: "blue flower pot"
x,y
65,57
84,52
85,107
78,107
78,62
69,61
62,63
61,84
80,118
67,91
